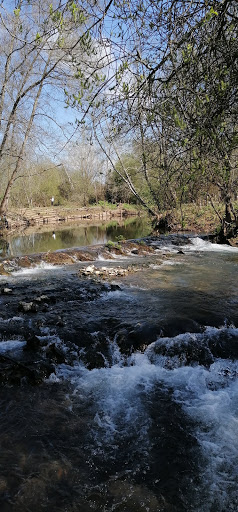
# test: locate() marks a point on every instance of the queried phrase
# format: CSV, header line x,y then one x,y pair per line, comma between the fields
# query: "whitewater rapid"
x,y
208,395
142,415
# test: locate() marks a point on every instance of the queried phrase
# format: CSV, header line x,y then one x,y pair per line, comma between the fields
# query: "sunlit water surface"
x,y
151,431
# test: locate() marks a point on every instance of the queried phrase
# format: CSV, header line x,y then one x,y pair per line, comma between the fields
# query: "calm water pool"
x,y
61,236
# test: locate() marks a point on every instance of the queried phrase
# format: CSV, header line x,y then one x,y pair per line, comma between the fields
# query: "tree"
x,y
47,45
155,80
116,187
40,181
85,172
205,100
174,90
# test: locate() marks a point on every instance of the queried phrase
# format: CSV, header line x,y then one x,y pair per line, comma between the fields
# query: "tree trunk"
x,y
4,202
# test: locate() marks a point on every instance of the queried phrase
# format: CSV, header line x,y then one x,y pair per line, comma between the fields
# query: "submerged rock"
x,y
3,271
7,267
26,261
27,307
136,338
33,342
6,291
59,258
43,298
224,344
91,270
14,372
186,351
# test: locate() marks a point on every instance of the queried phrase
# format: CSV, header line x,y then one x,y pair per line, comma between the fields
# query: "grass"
x,y
199,218
106,204
115,206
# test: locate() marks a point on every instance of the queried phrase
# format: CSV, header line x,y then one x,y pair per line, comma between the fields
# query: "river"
x,y
141,413
61,236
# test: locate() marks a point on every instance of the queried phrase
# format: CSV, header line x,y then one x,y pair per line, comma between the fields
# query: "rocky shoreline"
x,y
59,303
49,314
72,256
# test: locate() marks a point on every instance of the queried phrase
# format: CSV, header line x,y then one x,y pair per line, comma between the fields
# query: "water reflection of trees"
x,y
4,247
76,236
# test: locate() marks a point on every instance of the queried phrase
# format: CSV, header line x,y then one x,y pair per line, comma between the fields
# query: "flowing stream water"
x,y
154,427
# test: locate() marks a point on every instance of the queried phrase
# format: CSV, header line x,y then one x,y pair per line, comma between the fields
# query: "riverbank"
x,y
200,219
48,238
193,217
196,218
23,217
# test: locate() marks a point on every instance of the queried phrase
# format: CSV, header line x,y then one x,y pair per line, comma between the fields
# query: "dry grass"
x,y
200,219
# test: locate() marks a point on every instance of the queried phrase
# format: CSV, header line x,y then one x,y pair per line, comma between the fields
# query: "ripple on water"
x,y
151,431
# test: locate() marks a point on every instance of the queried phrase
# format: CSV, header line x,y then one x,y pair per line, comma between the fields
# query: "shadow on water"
x,y
50,459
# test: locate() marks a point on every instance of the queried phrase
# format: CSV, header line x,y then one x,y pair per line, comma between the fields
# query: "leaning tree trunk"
x,y
126,177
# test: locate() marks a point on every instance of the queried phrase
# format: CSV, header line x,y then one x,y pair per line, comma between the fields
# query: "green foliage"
x,y
38,38
112,245
120,238
209,15
107,205
170,117
76,11
56,16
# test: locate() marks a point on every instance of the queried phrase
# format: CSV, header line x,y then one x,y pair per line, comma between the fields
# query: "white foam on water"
x,y
166,249
216,412
11,346
117,394
102,258
171,263
117,295
35,269
198,244
208,395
